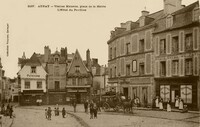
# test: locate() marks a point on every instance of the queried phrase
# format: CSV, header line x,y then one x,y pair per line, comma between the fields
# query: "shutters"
x,y
135,43
181,67
148,63
157,50
169,65
122,66
122,46
148,40
168,44
156,69
181,41
195,65
195,38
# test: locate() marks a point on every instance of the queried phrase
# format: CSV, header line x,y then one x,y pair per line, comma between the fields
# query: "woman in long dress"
x,y
177,102
181,104
169,106
157,102
161,104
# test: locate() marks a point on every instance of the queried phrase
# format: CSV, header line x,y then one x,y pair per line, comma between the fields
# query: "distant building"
x,y
79,79
32,78
14,90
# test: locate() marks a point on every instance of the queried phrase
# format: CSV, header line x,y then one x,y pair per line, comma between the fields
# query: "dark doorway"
x,y
78,98
126,92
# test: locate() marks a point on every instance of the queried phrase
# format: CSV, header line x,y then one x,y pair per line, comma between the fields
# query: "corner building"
x,y
177,53
131,58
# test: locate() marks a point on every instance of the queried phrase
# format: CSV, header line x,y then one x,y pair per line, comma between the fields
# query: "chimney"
x,y
88,60
47,53
66,54
24,56
145,13
0,63
171,6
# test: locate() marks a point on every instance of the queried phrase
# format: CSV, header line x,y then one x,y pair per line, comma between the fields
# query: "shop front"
x,y
184,88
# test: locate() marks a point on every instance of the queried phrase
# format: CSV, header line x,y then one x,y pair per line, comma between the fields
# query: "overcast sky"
x,y
30,29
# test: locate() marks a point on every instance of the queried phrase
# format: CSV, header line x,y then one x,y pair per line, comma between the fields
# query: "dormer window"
x,y
196,14
33,69
169,21
77,68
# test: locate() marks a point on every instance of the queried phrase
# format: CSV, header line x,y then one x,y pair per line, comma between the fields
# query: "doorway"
x,y
125,92
78,98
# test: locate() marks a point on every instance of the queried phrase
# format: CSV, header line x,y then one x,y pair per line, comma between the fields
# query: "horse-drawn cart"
x,y
111,102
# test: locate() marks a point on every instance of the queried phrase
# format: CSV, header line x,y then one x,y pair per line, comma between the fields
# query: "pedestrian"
x,y
161,104
169,106
7,110
95,110
1,120
11,111
49,113
86,106
177,102
57,111
181,104
2,108
74,105
63,112
91,110
46,116
157,102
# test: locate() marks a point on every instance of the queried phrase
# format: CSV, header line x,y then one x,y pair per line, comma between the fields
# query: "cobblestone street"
x,y
33,116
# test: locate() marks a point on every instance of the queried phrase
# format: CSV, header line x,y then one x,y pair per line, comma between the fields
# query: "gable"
x,y
77,62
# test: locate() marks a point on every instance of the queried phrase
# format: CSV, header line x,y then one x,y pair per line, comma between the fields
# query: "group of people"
x,y
178,104
48,112
7,110
94,108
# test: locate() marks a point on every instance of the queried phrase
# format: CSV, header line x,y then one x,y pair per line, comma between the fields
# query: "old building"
x,y
32,79
79,79
177,53
158,55
131,58
56,67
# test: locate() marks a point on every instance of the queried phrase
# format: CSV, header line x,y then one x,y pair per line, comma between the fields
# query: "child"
x,y
63,112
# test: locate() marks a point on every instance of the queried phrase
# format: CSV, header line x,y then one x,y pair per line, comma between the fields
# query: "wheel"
x,y
106,107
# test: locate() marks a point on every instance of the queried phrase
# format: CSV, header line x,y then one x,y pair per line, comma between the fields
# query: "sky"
x,y
30,29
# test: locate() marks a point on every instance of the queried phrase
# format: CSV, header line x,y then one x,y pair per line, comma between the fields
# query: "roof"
x,y
34,60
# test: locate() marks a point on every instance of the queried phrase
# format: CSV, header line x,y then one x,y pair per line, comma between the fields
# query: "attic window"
x,y
169,21
196,14
33,69
77,68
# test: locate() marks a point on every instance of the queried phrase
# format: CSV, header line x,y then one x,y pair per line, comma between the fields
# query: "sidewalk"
x,y
7,121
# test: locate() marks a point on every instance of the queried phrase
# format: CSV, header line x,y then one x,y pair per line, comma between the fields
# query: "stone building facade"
x,y
152,56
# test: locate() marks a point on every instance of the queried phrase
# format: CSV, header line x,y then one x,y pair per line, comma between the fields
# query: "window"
x,y
74,81
110,53
77,68
141,46
163,68
56,70
110,72
165,92
141,68
186,93
188,66
134,66
27,85
162,46
56,59
188,42
33,69
175,67
115,71
127,48
169,21
79,81
196,14
175,44
128,69
115,52
57,85
39,84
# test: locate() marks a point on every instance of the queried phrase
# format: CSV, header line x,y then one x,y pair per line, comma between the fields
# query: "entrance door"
x,y
144,96
126,92
174,94
78,98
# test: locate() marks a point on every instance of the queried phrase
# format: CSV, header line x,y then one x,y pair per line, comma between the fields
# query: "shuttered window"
x,y
181,41
122,66
195,38
134,42
195,66
148,40
181,67
168,43
122,46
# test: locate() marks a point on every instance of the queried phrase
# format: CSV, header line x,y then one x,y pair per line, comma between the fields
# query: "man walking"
x,y
63,112
86,106
74,105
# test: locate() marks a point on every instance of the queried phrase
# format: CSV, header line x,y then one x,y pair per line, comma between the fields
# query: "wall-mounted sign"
x,y
33,76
